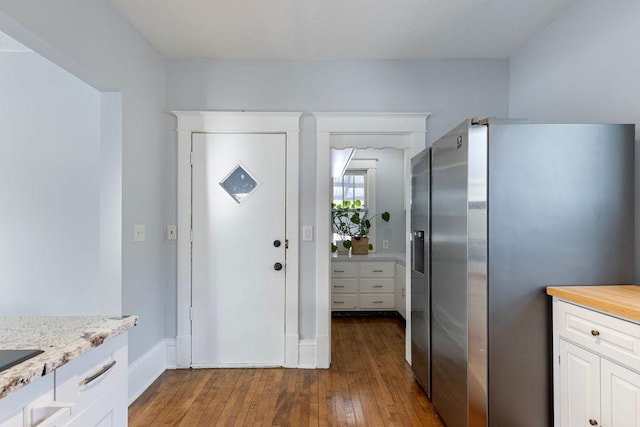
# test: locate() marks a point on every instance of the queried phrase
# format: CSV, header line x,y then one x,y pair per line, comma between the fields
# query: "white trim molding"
x,y
190,122
147,368
405,131
307,351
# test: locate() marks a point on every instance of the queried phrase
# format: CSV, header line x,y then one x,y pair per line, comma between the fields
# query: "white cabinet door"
x,y
620,396
579,386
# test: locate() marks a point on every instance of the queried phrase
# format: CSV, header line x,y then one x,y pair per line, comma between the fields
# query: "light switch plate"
x,y
172,232
139,233
307,233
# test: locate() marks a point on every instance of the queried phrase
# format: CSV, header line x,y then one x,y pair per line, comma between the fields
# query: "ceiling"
x,y
8,44
340,29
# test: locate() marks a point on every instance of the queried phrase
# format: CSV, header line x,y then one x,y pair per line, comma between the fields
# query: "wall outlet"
x,y
172,232
385,244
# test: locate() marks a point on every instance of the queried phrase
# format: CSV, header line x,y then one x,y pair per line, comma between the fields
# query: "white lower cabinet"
x,y
88,391
96,384
34,405
596,371
620,399
579,386
363,285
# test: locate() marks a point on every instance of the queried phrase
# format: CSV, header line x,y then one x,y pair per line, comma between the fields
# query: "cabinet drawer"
x,y
344,302
377,301
93,375
609,336
370,286
377,269
344,286
343,269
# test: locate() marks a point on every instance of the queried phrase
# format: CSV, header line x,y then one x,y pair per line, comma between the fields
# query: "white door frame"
x,y
190,122
405,131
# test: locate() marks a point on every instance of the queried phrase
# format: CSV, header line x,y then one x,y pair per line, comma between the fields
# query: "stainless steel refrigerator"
x,y
420,304
516,207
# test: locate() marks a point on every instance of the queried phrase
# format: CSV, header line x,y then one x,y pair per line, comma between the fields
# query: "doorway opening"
x,y
405,132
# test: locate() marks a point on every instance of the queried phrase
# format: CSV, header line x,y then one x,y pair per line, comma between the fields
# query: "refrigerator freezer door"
x,y
420,304
449,276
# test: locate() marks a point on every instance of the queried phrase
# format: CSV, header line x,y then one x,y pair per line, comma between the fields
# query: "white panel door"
x,y
620,396
238,290
579,386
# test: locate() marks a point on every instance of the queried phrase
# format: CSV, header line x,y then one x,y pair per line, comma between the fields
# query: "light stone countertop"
x,y
372,256
61,337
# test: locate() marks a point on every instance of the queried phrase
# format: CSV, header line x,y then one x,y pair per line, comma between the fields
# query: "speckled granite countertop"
x,y
62,338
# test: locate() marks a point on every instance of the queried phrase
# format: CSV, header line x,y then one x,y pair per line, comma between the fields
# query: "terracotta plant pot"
x,y
360,246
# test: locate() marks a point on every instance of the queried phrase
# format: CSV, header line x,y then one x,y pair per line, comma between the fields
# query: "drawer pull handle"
x,y
338,286
378,302
593,422
378,271
98,374
377,286
338,271
595,333
338,302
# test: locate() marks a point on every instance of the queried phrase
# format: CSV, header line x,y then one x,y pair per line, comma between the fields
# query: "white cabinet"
x,y
94,382
401,290
620,398
596,368
34,405
88,391
579,385
363,285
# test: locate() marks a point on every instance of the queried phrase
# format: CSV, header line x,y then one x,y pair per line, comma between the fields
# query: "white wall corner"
x,y
147,368
307,354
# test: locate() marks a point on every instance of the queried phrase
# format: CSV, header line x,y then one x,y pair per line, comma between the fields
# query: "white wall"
x,y
451,90
94,42
584,67
49,199
389,197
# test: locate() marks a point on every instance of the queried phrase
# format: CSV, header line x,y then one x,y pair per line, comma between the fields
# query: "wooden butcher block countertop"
x,y
617,300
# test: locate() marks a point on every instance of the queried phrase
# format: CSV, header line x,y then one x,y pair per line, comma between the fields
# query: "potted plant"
x,y
350,219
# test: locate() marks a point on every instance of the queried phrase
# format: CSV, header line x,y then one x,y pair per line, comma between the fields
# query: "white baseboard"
x,y
323,352
148,367
307,354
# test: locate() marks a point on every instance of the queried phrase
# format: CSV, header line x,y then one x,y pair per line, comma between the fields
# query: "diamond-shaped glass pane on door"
x,y
239,184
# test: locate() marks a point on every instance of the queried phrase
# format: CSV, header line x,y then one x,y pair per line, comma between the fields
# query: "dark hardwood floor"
x,y
369,384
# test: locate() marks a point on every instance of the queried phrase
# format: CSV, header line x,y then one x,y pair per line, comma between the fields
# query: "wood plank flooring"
x,y
369,383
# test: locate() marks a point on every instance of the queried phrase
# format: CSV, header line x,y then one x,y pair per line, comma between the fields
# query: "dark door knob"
x,y
276,243
277,266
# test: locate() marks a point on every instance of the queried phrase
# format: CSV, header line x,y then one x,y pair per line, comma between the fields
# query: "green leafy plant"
x,y
349,219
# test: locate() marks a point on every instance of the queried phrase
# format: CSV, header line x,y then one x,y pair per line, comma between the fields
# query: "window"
x,y
357,183
351,186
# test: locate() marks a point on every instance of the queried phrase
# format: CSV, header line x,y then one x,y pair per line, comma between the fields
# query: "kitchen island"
x,y
596,354
80,376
